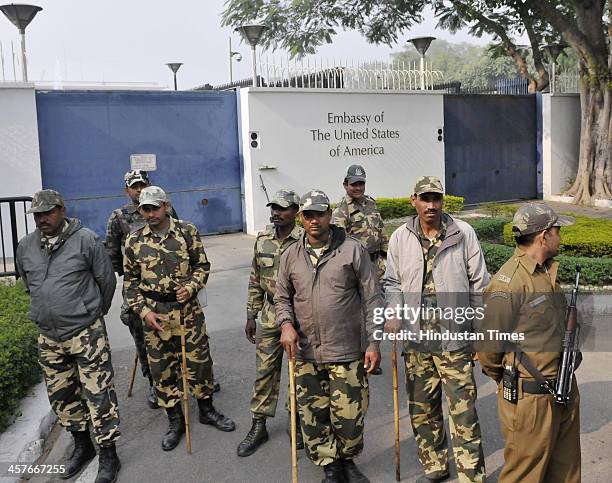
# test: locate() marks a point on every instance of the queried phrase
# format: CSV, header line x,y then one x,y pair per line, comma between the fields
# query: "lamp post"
x,y
232,55
174,67
252,34
553,51
21,16
422,44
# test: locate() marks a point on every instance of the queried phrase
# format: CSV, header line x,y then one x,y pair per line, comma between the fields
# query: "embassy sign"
x,y
307,138
343,128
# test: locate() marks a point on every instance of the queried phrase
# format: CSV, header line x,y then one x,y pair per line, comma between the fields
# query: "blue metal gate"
x,y
491,147
86,139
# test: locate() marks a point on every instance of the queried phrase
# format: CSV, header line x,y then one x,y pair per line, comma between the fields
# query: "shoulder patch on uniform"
x,y
504,278
499,294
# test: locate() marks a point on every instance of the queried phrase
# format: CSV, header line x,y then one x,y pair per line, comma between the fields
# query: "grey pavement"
x,y
214,453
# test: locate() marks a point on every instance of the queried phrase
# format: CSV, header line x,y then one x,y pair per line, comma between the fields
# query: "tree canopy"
x,y
472,65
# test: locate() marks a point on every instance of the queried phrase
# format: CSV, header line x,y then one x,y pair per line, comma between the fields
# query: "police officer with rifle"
x,y
538,395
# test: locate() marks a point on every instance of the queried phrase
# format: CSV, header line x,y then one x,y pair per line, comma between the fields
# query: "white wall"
x,y
285,119
19,153
560,141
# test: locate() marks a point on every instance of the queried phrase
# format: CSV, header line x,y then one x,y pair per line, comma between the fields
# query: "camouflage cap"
x,y
355,173
45,200
314,200
428,184
152,195
136,176
536,217
285,198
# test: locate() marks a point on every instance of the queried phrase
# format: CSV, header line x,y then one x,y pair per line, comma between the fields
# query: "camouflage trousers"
x,y
427,374
79,377
165,361
332,401
135,325
269,360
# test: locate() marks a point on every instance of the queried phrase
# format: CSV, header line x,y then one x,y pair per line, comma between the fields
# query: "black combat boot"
x,y
209,415
334,472
108,464
257,435
83,452
152,397
176,428
352,473
299,438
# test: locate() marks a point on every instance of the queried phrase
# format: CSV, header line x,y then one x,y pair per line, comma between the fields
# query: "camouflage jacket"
x,y
361,219
159,265
264,270
121,223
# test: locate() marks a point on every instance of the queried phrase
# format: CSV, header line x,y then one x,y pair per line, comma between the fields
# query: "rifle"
x,y
565,373
263,187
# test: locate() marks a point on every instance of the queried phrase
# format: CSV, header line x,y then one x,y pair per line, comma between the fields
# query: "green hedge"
x,y
499,210
589,237
489,229
19,368
594,271
400,207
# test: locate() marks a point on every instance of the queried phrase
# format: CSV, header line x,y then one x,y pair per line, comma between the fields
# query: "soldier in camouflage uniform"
x,y
71,284
358,215
269,246
326,295
121,223
435,261
165,267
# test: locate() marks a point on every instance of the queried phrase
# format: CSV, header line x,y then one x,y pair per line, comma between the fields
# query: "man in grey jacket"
x,y
71,284
434,280
326,283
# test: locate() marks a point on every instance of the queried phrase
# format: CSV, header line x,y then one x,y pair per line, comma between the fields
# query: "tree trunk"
x,y
594,174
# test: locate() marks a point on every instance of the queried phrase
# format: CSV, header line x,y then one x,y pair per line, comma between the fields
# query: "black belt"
x,y
159,296
534,387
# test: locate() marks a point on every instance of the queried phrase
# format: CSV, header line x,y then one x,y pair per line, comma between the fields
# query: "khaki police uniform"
x,y
524,298
542,437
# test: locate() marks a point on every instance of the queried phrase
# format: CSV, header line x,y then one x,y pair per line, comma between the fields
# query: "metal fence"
x,y
336,74
565,82
347,74
14,224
